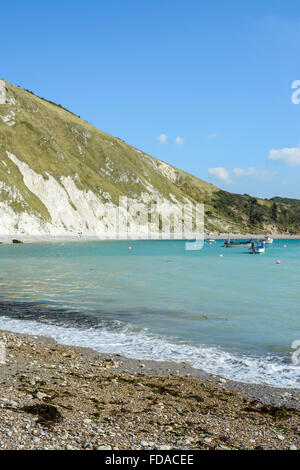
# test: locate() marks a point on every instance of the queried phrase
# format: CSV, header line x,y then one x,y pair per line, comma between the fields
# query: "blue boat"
x,y
257,248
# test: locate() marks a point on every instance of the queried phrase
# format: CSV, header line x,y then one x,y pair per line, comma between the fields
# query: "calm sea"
x,y
236,316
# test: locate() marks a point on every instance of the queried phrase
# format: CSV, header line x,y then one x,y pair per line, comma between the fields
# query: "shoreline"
x,y
71,238
279,396
103,401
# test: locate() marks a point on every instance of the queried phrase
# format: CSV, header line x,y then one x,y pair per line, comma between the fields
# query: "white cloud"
x,y
228,176
288,156
257,174
179,140
212,136
221,174
239,172
162,138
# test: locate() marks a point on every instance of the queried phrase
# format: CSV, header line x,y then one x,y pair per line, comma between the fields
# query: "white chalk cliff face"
x,y
2,92
75,211
59,175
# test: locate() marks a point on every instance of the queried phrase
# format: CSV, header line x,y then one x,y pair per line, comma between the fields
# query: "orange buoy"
x,y
278,261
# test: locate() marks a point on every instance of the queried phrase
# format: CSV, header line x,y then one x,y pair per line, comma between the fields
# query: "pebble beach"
x,y
61,397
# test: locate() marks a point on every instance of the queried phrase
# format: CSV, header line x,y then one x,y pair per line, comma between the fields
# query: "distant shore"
x,y
71,238
63,397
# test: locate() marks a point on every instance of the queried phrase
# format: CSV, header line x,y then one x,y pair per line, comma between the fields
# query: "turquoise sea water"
x,y
236,316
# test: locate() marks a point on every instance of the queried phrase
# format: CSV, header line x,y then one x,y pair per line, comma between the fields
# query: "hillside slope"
x,y
58,174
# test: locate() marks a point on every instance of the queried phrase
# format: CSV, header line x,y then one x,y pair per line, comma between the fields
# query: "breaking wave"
x,y
114,337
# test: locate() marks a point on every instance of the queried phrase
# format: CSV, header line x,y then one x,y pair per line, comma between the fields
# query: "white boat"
x,y
257,248
268,240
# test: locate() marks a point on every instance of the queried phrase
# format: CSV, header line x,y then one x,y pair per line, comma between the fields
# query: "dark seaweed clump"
x,y
47,414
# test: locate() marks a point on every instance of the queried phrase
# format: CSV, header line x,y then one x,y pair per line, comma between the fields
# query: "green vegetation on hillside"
x,y
54,141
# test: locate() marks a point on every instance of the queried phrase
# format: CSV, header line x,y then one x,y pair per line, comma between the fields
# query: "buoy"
x,y
284,246
278,261
221,256
130,248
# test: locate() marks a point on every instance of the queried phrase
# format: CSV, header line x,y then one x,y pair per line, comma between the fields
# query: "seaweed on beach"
x,y
270,410
47,414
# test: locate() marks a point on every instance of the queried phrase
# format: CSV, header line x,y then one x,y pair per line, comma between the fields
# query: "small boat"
x,y
210,240
230,243
257,248
268,240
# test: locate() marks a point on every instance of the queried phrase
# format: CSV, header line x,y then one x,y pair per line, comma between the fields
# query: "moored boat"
x,y
268,240
257,248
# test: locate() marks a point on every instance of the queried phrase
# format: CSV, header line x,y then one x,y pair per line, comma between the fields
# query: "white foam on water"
x,y
140,344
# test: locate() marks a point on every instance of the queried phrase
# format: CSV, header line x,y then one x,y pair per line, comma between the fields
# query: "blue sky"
x,y
203,85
